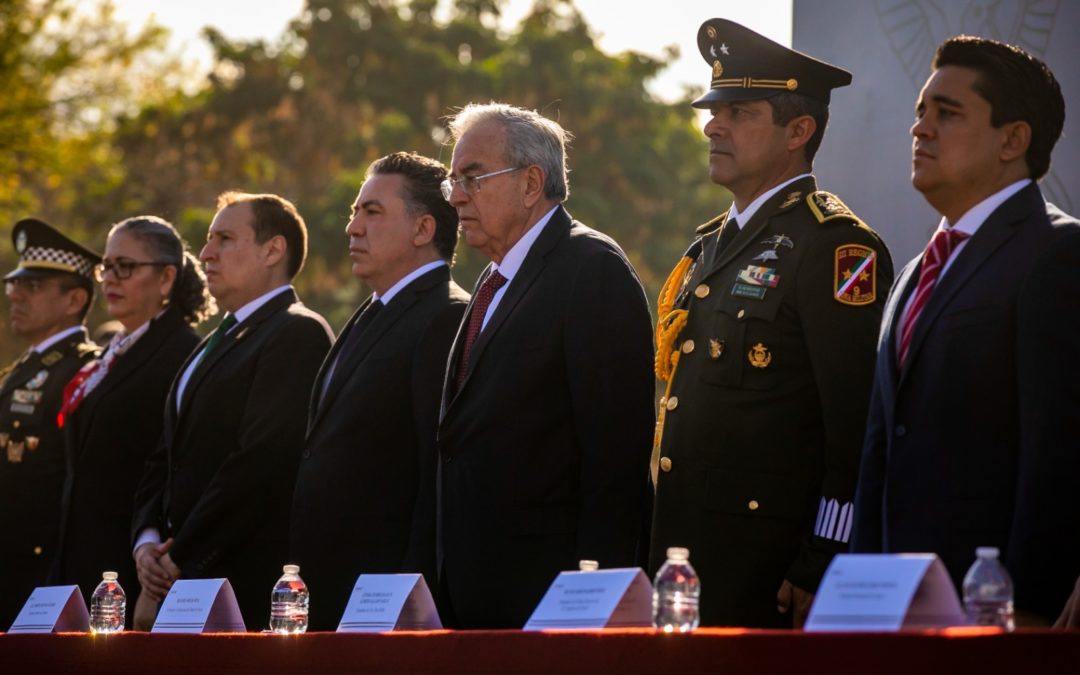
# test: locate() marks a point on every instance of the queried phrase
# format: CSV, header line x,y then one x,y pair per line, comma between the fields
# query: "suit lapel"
x,y
556,229
389,315
240,332
127,364
992,235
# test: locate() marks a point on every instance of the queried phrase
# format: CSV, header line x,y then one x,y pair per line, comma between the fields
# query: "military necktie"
x,y
728,232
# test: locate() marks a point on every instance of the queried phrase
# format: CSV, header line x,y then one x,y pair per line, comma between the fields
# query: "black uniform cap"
x,y
747,66
45,251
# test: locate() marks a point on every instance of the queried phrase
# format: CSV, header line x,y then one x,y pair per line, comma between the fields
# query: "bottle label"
x,y
600,599
53,609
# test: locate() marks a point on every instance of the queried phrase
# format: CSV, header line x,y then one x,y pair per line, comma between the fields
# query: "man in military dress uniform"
x,y
48,296
766,341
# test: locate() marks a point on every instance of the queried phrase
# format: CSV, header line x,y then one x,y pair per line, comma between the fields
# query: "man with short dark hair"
x,y
547,406
972,436
365,494
766,342
49,294
214,499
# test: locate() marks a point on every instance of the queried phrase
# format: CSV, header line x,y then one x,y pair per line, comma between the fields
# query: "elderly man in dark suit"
x,y
49,294
547,406
214,499
365,494
972,438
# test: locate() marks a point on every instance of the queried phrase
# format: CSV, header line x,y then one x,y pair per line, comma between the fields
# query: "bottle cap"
x,y
588,565
987,552
678,553
109,576
291,569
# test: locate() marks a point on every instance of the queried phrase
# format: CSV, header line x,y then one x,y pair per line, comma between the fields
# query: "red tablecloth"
x,y
730,652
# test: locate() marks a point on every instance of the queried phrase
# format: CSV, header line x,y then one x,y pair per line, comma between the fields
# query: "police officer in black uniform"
x,y
766,342
48,294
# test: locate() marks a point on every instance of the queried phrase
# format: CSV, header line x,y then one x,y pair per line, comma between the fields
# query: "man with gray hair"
x,y
547,406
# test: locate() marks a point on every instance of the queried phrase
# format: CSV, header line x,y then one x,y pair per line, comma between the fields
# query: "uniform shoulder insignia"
x,y
790,200
711,226
827,206
52,357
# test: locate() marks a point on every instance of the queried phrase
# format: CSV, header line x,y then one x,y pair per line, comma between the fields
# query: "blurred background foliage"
x,y
99,122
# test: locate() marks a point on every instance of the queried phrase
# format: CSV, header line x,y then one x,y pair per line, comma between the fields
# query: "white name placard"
x,y
885,592
386,602
53,609
200,606
613,598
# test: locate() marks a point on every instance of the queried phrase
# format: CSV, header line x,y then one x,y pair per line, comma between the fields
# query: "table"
x,y
630,651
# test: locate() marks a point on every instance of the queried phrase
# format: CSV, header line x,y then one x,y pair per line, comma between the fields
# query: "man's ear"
x,y
423,230
274,249
1016,140
800,131
534,185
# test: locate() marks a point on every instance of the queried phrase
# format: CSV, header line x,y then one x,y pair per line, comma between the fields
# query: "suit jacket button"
x,y
753,505
901,431
37,550
672,403
176,466
702,291
688,346
665,464
445,459
306,454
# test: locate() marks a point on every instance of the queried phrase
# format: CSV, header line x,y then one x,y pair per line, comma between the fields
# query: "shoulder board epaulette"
x,y
712,225
827,206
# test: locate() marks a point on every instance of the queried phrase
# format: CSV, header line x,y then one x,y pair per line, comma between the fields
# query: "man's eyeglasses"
x,y
122,268
470,184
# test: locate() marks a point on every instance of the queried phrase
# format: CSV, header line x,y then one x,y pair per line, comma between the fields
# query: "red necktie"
x,y
476,319
934,258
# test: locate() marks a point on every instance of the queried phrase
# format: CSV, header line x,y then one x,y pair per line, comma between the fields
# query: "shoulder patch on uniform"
x,y
855,275
712,225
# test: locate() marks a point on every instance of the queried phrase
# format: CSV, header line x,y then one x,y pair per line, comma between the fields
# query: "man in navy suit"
x,y
973,427
365,494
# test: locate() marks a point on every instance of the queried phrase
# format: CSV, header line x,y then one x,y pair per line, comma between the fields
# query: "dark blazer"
x,y
975,441
544,450
365,493
222,478
31,480
764,419
107,439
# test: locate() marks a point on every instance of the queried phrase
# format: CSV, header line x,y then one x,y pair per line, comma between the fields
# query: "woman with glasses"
x,y
113,408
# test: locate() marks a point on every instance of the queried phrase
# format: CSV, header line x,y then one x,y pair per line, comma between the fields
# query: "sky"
x,y
618,25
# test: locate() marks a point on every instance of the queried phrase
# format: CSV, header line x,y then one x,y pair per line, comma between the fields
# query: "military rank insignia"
x,y
855,277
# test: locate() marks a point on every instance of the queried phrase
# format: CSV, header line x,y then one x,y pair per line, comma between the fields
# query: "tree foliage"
x,y
347,82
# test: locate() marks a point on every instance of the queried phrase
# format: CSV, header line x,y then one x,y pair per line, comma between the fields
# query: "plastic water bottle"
x,y
988,591
289,603
675,594
108,606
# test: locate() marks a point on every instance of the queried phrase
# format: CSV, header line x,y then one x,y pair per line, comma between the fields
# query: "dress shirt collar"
x,y
745,216
56,337
247,310
386,297
970,222
514,258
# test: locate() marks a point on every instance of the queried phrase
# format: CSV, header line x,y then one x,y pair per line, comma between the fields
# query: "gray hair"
x,y
531,139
